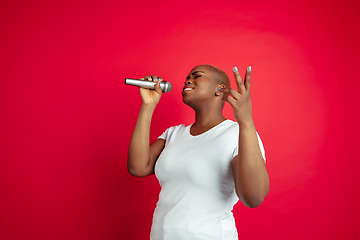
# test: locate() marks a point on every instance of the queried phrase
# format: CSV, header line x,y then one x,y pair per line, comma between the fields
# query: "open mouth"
x,y
186,89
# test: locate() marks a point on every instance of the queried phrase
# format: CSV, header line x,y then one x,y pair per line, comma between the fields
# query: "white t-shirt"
x,y
197,184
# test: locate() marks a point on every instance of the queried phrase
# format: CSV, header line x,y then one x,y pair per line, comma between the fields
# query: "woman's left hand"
x,y
240,100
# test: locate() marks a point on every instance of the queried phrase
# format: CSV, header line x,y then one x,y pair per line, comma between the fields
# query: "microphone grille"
x,y
166,86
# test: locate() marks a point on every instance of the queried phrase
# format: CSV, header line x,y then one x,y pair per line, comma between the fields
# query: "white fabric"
x,y
197,184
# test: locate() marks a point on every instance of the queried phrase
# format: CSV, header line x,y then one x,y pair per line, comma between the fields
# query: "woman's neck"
x,y
205,120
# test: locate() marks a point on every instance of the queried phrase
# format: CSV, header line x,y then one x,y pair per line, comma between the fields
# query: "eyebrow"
x,y
196,72
193,74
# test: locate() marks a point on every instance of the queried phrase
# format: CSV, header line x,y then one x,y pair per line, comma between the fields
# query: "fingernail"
x,y
155,79
235,69
249,68
219,88
150,78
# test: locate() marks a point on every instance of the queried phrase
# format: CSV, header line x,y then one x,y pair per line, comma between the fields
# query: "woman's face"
x,y
200,86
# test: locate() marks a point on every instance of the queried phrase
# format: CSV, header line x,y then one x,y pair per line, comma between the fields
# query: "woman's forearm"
x,y
139,147
252,180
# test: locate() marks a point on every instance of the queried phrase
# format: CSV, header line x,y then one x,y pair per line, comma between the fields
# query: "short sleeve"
x,y
260,145
170,131
164,134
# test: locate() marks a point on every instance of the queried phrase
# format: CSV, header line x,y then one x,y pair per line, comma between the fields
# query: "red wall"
x,y
66,116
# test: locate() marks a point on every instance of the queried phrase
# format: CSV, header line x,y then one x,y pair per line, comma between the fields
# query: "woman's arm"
x,y
141,155
250,174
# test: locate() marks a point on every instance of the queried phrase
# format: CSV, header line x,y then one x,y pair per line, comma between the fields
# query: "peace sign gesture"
x,y
240,100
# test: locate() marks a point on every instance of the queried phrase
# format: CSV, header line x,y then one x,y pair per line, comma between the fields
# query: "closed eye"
x,y
198,76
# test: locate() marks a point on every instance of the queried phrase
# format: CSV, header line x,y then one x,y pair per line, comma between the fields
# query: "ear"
x,y
218,93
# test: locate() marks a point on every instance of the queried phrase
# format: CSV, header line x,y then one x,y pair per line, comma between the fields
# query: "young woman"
x,y
203,168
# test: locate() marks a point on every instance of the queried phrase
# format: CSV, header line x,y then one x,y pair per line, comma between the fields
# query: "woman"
x,y
203,168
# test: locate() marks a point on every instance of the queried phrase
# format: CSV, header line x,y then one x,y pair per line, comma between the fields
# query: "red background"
x,y
66,115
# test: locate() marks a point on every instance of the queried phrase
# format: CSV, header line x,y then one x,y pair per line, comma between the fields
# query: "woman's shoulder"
x,y
230,124
173,130
176,127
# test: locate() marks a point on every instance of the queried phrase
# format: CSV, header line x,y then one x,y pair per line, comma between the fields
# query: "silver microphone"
x,y
165,86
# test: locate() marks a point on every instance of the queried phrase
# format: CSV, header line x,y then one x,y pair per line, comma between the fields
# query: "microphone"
x,y
165,86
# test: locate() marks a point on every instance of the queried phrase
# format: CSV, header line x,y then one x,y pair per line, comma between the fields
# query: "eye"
x,y
198,76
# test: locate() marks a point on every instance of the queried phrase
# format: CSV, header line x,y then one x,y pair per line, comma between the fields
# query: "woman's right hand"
x,y
148,96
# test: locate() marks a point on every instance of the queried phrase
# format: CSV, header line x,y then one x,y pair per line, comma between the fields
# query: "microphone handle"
x,y
165,86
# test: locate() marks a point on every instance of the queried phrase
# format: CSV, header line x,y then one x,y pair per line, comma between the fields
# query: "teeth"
x,y
187,89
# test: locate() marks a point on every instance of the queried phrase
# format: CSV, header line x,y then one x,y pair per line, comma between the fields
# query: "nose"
x,y
188,81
